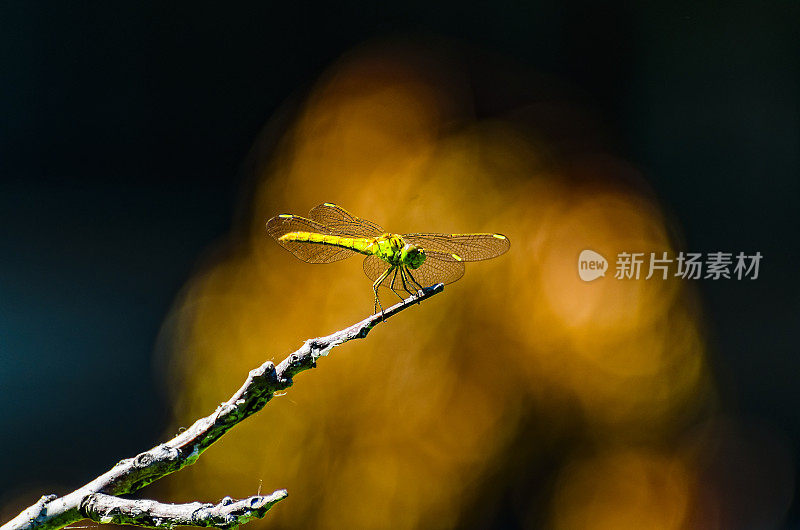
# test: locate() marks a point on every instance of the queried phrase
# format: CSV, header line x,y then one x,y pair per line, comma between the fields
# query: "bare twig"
x,y
229,513
52,512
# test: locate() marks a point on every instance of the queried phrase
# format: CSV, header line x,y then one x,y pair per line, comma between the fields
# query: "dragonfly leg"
x,y
375,289
413,280
403,278
391,285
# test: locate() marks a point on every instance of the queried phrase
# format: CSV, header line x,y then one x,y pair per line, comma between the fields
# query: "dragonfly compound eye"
x,y
412,256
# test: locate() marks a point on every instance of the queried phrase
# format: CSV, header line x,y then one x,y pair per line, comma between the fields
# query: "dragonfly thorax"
x,y
395,251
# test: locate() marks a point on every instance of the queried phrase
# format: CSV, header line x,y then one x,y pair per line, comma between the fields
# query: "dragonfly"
x,y
400,262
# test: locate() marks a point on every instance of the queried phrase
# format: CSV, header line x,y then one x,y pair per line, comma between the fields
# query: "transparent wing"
x,y
343,222
438,267
374,267
469,247
309,252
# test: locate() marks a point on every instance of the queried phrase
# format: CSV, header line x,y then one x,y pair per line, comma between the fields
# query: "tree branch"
x,y
52,512
228,513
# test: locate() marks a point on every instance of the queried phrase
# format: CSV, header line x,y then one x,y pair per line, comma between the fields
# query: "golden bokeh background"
x,y
520,389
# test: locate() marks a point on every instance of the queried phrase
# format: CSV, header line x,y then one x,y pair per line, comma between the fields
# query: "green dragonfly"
x,y
406,262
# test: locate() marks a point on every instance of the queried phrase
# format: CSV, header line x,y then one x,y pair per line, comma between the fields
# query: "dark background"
x,y
124,128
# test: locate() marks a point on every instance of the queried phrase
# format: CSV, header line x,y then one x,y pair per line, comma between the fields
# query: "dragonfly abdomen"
x,y
360,245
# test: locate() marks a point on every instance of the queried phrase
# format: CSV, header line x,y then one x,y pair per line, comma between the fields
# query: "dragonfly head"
x,y
412,256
